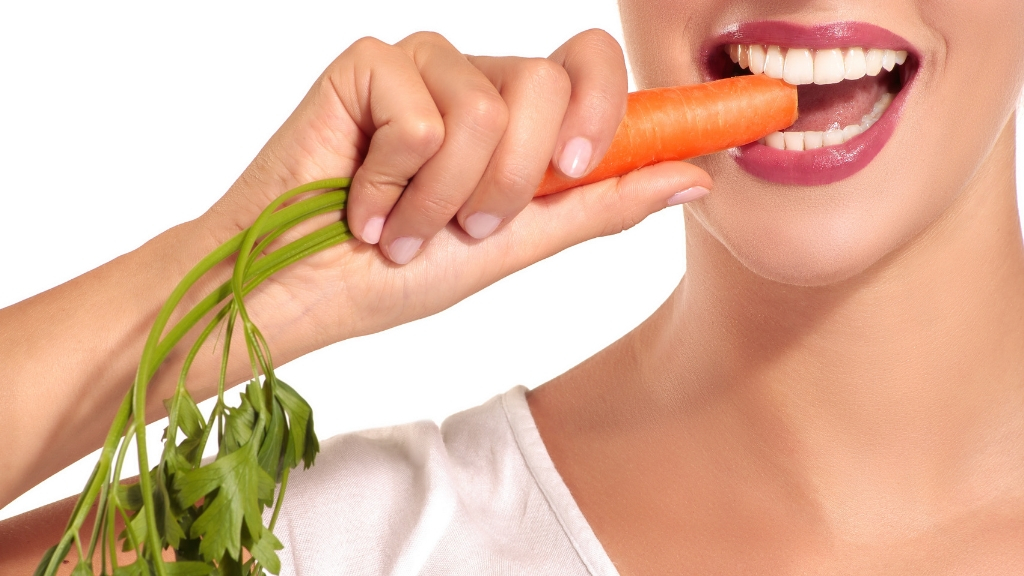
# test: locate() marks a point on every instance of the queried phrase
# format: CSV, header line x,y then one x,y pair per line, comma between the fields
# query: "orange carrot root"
x,y
684,122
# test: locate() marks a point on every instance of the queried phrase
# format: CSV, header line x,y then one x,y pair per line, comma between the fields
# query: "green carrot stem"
x,y
251,267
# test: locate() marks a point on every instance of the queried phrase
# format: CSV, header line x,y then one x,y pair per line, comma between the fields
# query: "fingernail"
x,y
575,157
403,249
688,195
371,232
479,225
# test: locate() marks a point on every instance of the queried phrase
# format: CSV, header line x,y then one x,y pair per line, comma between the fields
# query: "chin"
x,y
817,246
801,264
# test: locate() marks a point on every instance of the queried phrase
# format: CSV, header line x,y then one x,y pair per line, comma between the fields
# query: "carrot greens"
x,y
210,514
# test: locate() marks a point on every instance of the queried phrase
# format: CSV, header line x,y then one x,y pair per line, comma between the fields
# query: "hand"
x,y
434,139
446,151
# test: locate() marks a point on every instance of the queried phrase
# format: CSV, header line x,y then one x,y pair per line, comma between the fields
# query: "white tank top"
x,y
479,496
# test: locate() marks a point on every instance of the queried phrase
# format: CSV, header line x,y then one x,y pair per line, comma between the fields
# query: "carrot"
x,y
683,122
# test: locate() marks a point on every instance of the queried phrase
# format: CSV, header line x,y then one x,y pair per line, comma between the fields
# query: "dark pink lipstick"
x,y
828,164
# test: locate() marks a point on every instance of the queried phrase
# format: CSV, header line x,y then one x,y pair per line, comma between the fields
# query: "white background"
x,y
120,120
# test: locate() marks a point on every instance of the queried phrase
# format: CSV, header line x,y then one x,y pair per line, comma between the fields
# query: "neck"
x,y
895,381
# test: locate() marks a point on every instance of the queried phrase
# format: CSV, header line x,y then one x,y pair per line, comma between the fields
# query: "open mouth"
x,y
852,80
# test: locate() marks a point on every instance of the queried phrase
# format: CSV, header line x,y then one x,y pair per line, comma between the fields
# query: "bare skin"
x,y
872,427
22,536
836,386
384,113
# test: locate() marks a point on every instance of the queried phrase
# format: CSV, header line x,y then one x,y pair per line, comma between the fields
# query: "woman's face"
x,y
819,216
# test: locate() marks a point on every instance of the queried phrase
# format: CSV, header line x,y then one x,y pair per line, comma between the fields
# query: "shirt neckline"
x,y
551,485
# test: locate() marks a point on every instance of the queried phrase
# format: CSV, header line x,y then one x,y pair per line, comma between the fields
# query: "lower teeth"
x,y
834,136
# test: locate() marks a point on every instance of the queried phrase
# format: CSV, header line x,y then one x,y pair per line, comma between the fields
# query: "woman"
x,y
833,387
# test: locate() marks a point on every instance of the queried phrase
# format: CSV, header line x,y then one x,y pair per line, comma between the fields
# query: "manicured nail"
x,y
403,249
479,225
371,232
688,195
575,157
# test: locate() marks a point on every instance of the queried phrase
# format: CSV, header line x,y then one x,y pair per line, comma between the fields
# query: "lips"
x,y
854,80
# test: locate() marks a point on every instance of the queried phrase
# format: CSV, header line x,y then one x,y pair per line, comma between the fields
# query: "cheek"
x,y
973,82
960,103
663,37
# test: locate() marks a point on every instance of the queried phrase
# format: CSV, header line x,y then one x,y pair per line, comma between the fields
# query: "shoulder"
x,y
415,498
397,464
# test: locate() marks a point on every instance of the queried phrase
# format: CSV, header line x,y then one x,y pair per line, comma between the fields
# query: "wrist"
x,y
288,308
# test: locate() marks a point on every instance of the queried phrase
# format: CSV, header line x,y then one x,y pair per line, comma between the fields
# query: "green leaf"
x,y
301,434
82,569
188,548
166,519
312,447
228,566
238,426
188,451
219,526
137,568
254,393
273,440
190,419
138,524
233,486
190,569
264,551
130,496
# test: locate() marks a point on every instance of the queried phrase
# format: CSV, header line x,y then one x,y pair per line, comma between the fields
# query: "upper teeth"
x,y
826,66
804,66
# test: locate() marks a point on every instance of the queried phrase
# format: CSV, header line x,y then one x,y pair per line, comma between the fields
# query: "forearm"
x,y
25,539
70,355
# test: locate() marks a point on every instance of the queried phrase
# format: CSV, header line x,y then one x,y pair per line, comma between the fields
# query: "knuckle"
x,y
374,185
623,209
546,76
423,38
599,41
485,111
604,107
367,46
511,180
625,222
422,135
437,208
628,221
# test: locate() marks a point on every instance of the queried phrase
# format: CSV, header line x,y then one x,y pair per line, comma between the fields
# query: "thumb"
x,y
608,207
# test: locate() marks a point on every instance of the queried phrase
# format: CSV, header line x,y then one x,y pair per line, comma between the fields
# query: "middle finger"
x,y
537,92
475,117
